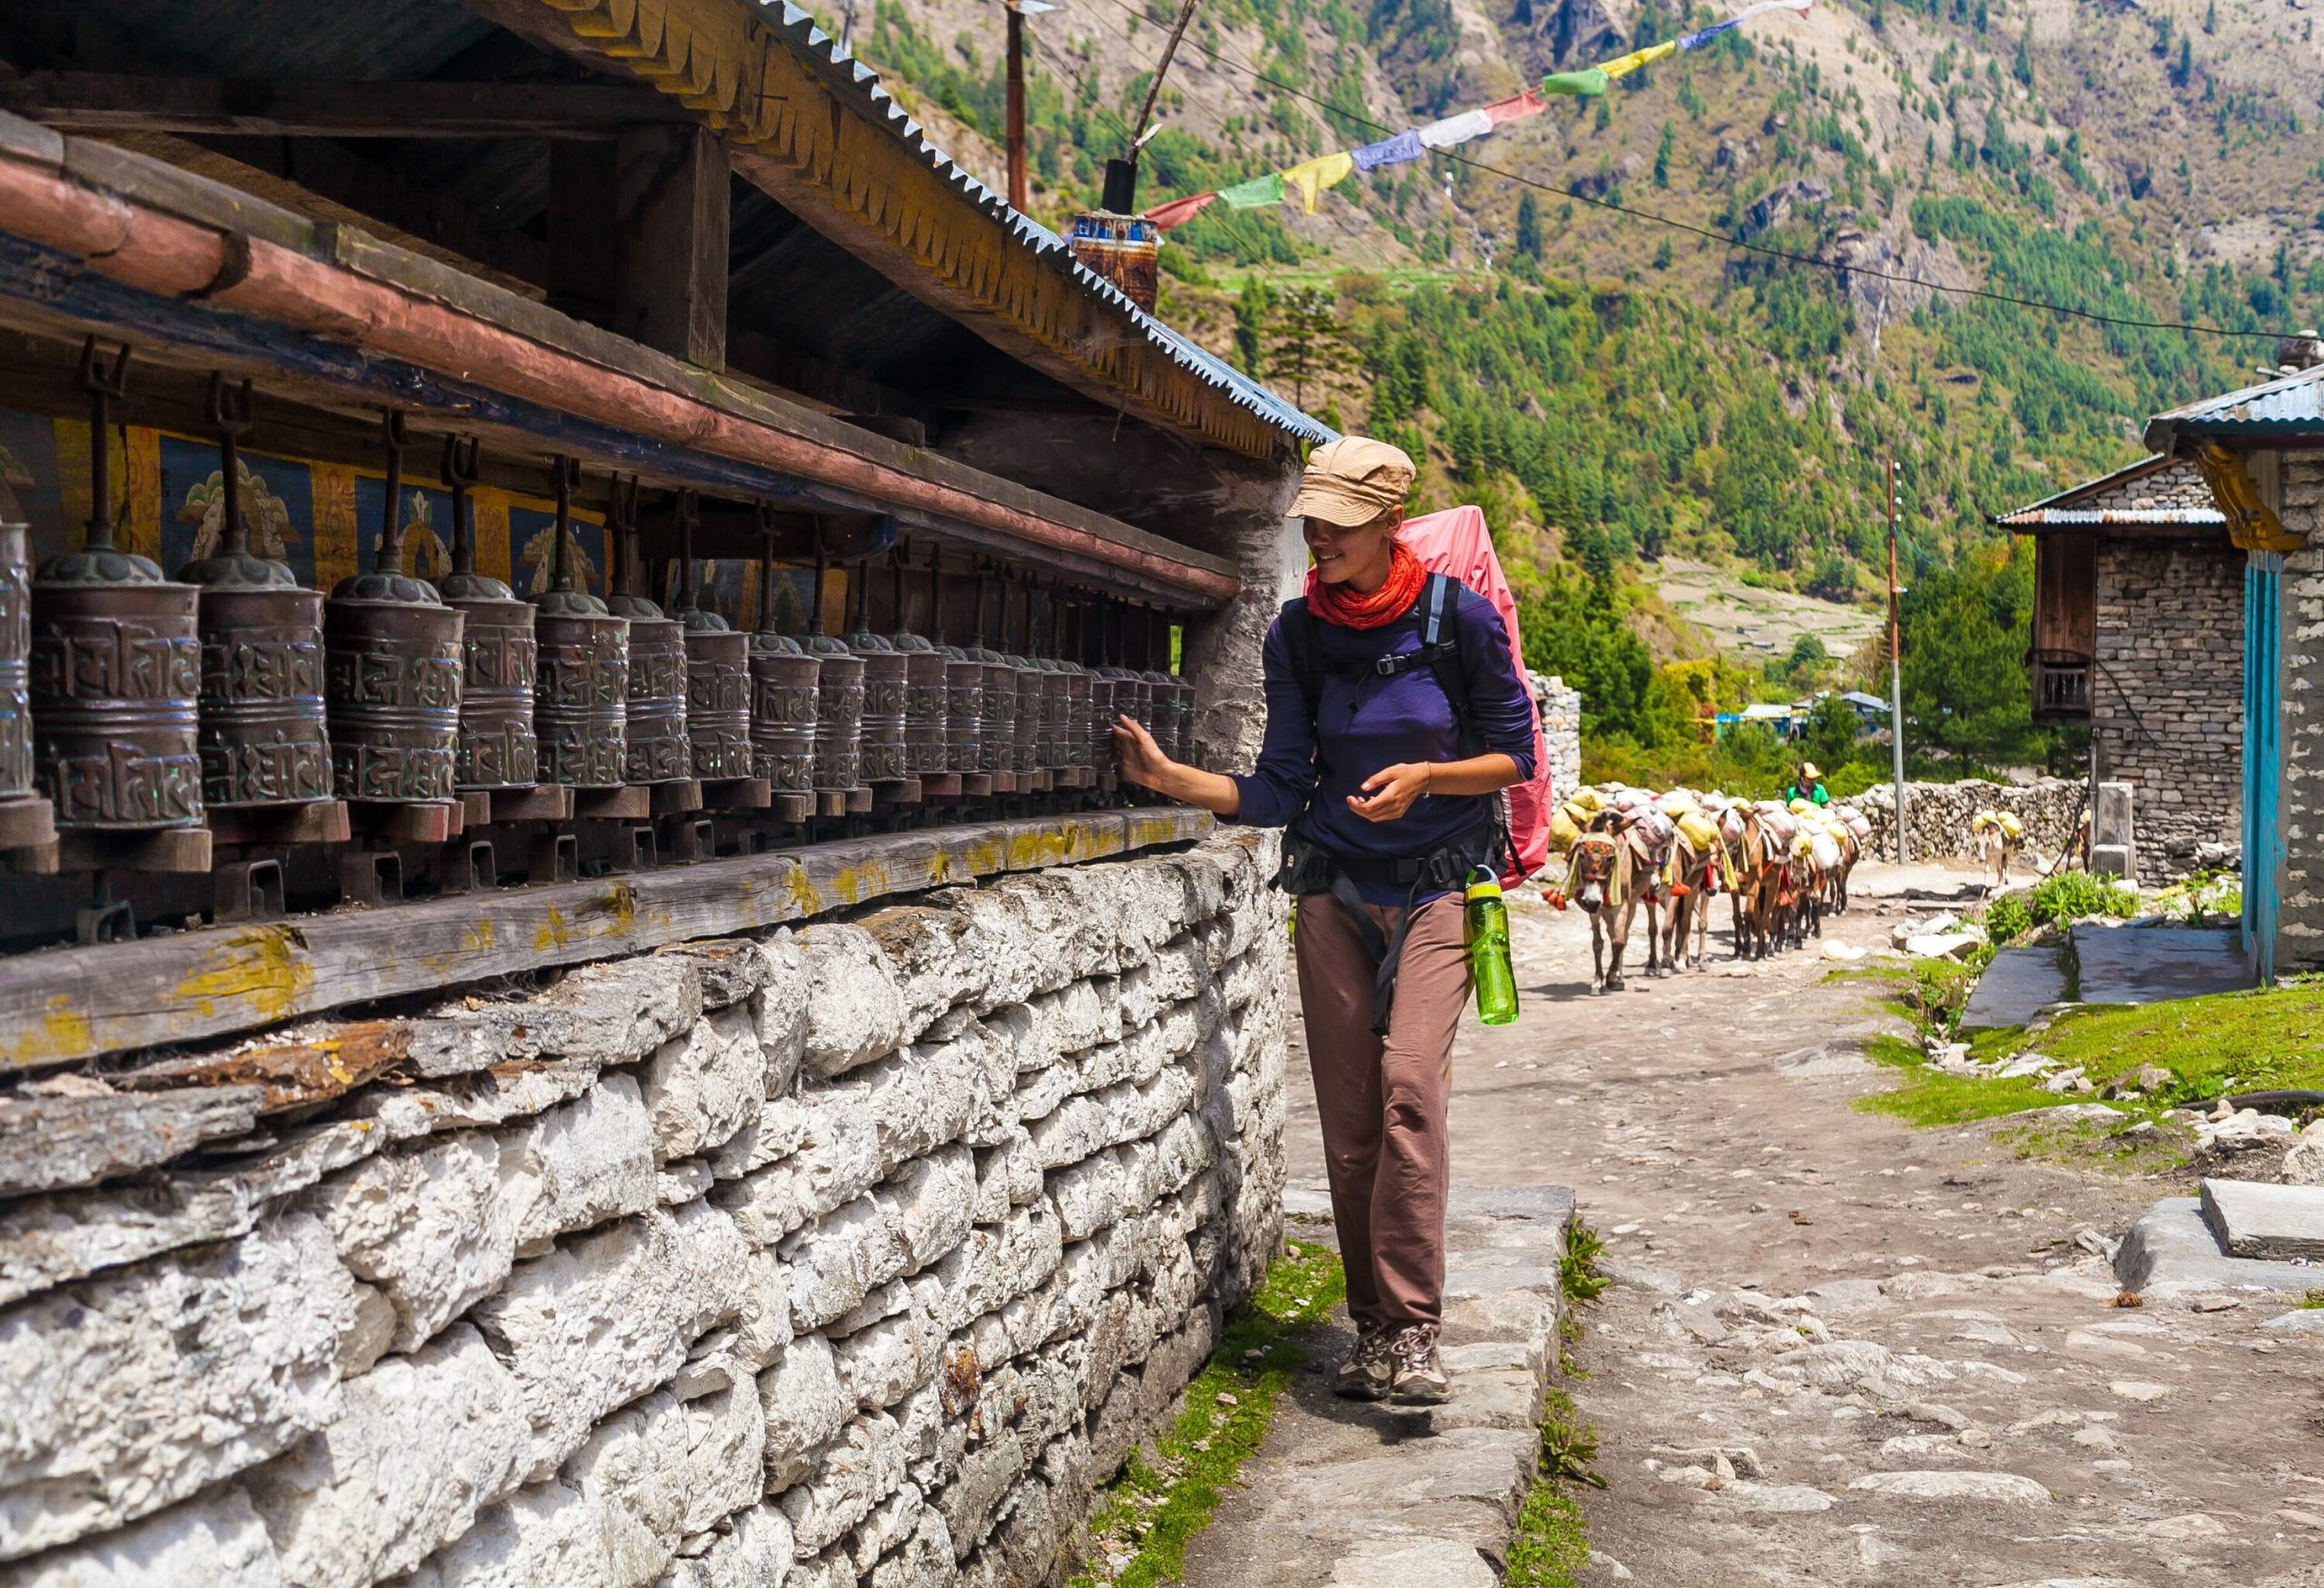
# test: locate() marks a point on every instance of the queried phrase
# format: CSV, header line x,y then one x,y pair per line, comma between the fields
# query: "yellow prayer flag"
x,y
1311,178
1637,58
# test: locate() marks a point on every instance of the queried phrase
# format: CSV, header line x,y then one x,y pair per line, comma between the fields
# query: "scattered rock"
x,y
2001,1488
2133,1389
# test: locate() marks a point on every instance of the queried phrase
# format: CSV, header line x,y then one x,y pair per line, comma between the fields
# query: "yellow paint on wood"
x,y
263,969
337,542
554,932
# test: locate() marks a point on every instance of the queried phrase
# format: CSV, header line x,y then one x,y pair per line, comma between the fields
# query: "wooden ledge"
x,y
66,1004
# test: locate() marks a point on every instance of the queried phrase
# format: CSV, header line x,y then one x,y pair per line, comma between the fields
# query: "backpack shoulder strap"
x,y
1299,642
1440,641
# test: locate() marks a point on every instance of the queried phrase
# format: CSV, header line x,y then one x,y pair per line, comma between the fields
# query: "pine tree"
x,y
2022,67
2210,17
1251,313
1528,227
1662,158
2184,73
1308,342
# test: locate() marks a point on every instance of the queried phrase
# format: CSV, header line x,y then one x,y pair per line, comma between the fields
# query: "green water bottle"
x,y
1489,964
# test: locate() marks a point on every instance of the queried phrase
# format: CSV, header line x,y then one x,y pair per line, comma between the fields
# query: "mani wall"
x,y
1939,813
1561,707
849,1256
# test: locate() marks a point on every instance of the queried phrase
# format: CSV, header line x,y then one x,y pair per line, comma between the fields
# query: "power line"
x,y
1765,251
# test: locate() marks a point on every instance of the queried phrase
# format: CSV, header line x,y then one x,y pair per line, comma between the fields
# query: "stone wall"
x,y
2299,788
1560,731
1939,813
852,1255
2167,701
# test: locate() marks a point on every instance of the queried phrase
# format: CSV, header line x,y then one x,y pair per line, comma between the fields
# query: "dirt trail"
x,y
1841,1351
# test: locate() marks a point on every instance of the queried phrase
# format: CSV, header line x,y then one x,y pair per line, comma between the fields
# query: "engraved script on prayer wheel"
x,y
116,663
884,675
839,701
499,653
262,740
580,706
926,753
391,668
655,714
997,706
784,681
16,651
718,672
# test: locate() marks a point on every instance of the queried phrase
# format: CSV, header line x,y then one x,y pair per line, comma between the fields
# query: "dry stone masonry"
x,y
2299,791
1560,731
1940,813
847,1257
2167,700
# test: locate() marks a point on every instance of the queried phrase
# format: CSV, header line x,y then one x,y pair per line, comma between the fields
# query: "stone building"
x,y
2136,582
675,1181
1561,707
2260,450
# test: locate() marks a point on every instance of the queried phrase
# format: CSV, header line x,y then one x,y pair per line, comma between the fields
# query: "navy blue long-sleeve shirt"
x,y
1366,721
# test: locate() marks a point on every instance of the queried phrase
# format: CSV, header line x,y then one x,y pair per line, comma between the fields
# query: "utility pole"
x,y
1017,194
1895,671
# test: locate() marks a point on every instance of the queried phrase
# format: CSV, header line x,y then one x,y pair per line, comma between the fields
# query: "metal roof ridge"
x,y
2152,462
849,74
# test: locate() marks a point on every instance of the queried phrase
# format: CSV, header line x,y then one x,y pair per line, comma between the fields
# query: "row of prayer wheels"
x,y
133,702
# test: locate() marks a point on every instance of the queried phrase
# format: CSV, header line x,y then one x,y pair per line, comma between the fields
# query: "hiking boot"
x,y
1420,1378
1365,1374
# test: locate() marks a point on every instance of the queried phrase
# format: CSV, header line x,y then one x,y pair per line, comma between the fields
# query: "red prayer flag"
x,y
1178,212
1528,104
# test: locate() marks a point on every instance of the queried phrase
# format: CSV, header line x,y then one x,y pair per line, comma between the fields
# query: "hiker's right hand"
x,y
1143,762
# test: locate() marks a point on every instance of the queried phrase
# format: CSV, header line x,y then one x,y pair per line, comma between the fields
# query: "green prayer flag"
x,y
1255,194
1589,83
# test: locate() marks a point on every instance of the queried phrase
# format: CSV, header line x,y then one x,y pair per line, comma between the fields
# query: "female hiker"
x,y
1380,756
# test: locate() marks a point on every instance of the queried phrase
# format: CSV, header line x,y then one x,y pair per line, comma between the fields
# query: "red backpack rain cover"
x,y
1457,544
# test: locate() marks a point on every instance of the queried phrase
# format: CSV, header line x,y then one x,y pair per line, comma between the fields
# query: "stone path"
x,y
1839,1350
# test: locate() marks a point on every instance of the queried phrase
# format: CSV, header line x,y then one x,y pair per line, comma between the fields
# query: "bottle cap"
x,y
1489,888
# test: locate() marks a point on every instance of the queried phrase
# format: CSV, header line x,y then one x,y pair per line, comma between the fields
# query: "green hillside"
x,y
1613,389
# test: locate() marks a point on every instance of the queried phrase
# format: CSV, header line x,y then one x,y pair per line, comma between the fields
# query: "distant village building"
x,y
2136,582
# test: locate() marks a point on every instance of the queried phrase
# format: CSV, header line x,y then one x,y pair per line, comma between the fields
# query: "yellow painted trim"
x,y
2251,524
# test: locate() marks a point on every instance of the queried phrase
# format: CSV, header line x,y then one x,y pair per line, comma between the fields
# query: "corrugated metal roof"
x,y
849,75
2062,510
2291,406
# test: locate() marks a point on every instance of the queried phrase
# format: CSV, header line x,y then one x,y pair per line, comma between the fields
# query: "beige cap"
x,y
1810,771
1351,481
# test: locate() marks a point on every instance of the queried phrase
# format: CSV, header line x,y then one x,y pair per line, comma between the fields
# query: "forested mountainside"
x,y
1613,389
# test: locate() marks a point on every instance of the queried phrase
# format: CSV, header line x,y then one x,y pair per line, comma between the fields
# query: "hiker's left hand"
x,y
1388,793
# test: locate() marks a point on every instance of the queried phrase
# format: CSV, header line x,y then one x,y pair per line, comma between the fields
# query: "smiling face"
x,y
1356,556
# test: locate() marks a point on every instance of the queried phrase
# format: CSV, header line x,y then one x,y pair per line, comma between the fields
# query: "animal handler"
x,y
1382,754
1808,783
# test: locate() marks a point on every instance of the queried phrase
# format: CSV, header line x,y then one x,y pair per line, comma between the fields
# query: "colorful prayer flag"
x,y
1624,65
1453,131
1313,176
1256,193
1586,84
1528,104
1179,211
1404,146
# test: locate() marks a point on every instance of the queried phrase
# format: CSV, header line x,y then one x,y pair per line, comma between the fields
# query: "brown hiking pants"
x,y
1384,1102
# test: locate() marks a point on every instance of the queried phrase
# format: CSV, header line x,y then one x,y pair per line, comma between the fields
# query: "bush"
x,y
2008,918
2071,895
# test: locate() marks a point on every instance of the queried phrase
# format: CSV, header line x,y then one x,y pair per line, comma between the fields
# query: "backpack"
x,y
1440,653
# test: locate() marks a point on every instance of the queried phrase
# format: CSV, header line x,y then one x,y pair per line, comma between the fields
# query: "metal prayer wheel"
x,y
885,690
581,703
500,652
839,697
15,653
655,714
1056,715
963,708
926,698
1079,726
997,699
115,665
391,669
262,738
718,672
784,683
1133,693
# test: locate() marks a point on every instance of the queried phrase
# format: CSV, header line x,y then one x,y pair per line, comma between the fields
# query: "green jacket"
x,y
1815,795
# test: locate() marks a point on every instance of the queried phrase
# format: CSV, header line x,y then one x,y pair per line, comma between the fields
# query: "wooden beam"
x,y
110,102
670,216
69,1005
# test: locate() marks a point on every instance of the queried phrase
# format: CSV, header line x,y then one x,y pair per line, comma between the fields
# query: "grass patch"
x,y
1553,1543
2260,1041
1157,1506
2311,1301
1933,1097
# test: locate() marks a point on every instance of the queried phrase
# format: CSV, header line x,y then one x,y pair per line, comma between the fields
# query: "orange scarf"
x,y
1351,609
